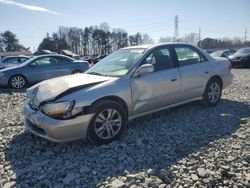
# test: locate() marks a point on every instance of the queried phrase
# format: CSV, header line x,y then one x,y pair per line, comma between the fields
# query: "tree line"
x,y
92,40
209,43
101,40
96,40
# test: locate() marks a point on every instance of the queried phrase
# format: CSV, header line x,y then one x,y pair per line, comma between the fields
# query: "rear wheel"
x,y
108,123
17,82
212,93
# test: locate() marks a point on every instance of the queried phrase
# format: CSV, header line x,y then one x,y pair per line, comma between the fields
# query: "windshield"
x,y
118,63
242,51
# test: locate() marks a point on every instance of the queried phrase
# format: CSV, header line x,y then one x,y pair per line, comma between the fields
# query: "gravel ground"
x,y
187,146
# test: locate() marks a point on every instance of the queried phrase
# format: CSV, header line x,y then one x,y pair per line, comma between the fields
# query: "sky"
x,y
30,20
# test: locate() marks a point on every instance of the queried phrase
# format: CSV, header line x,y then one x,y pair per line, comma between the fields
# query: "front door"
x,y
159,88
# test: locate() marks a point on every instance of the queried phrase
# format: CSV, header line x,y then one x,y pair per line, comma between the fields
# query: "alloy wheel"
x,y
108,123
214,92
18,82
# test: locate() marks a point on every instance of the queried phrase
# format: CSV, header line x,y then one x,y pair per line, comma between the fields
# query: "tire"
x,y
76,71
108,123
212,93
17,82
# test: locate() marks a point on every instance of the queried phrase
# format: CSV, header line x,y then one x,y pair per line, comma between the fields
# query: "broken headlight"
x,y
63,110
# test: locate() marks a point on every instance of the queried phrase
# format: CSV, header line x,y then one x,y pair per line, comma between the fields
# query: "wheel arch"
x,y
115,99
218,78
18,74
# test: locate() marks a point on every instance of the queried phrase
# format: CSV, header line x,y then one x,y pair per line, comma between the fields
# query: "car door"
x,y
65,66
42,69
195,71
159,88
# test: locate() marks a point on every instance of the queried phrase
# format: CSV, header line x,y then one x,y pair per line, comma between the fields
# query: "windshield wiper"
x,y
96,73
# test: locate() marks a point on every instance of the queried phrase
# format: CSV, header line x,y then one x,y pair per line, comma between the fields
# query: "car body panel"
x,y
194,79
48,90
147,95
60,131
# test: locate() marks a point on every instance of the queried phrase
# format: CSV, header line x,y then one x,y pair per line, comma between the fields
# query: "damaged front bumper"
x,y
56,130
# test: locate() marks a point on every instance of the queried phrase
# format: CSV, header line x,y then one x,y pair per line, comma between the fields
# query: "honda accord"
x,y
127,84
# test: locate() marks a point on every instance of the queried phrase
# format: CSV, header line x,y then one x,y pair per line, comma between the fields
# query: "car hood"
x,y
57,87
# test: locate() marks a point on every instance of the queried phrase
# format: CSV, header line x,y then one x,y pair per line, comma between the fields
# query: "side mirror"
x,y
144,69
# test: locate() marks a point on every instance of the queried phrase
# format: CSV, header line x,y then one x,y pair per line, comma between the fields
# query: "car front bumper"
x,y
56,130
3,81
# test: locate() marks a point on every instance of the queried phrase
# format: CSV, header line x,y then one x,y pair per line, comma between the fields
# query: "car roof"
x,y
53,55
149,46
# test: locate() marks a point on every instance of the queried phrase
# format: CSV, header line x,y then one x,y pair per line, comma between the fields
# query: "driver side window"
x,y
161,59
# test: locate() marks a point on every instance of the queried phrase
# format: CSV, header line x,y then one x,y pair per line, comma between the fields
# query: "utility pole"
x,y
176,28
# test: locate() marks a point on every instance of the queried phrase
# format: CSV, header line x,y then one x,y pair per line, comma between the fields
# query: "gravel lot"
x,y
182,147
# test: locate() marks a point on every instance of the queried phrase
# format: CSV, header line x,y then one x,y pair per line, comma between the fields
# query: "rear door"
x,y
159,88
195,71
65,66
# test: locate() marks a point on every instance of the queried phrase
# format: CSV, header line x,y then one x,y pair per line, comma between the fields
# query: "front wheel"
x,y
108,123
212,93
17,82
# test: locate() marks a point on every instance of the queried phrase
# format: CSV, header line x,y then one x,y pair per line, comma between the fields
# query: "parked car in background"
x,y
70,54
99,58
10,61
241,58
129,83
223,53
40,68
89,59
210,51
43,52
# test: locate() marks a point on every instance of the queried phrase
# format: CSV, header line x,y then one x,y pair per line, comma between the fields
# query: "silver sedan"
x,y
127,84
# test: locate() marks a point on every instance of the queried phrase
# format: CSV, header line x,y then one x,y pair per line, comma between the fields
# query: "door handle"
x,y
206,72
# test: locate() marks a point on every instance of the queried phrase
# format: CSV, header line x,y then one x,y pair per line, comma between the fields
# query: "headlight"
x,y
61,109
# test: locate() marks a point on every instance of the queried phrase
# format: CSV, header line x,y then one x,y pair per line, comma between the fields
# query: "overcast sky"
x,y
32,19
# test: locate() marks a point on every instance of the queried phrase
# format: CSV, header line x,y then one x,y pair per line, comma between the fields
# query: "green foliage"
x,y
91,40
53,43
10,43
